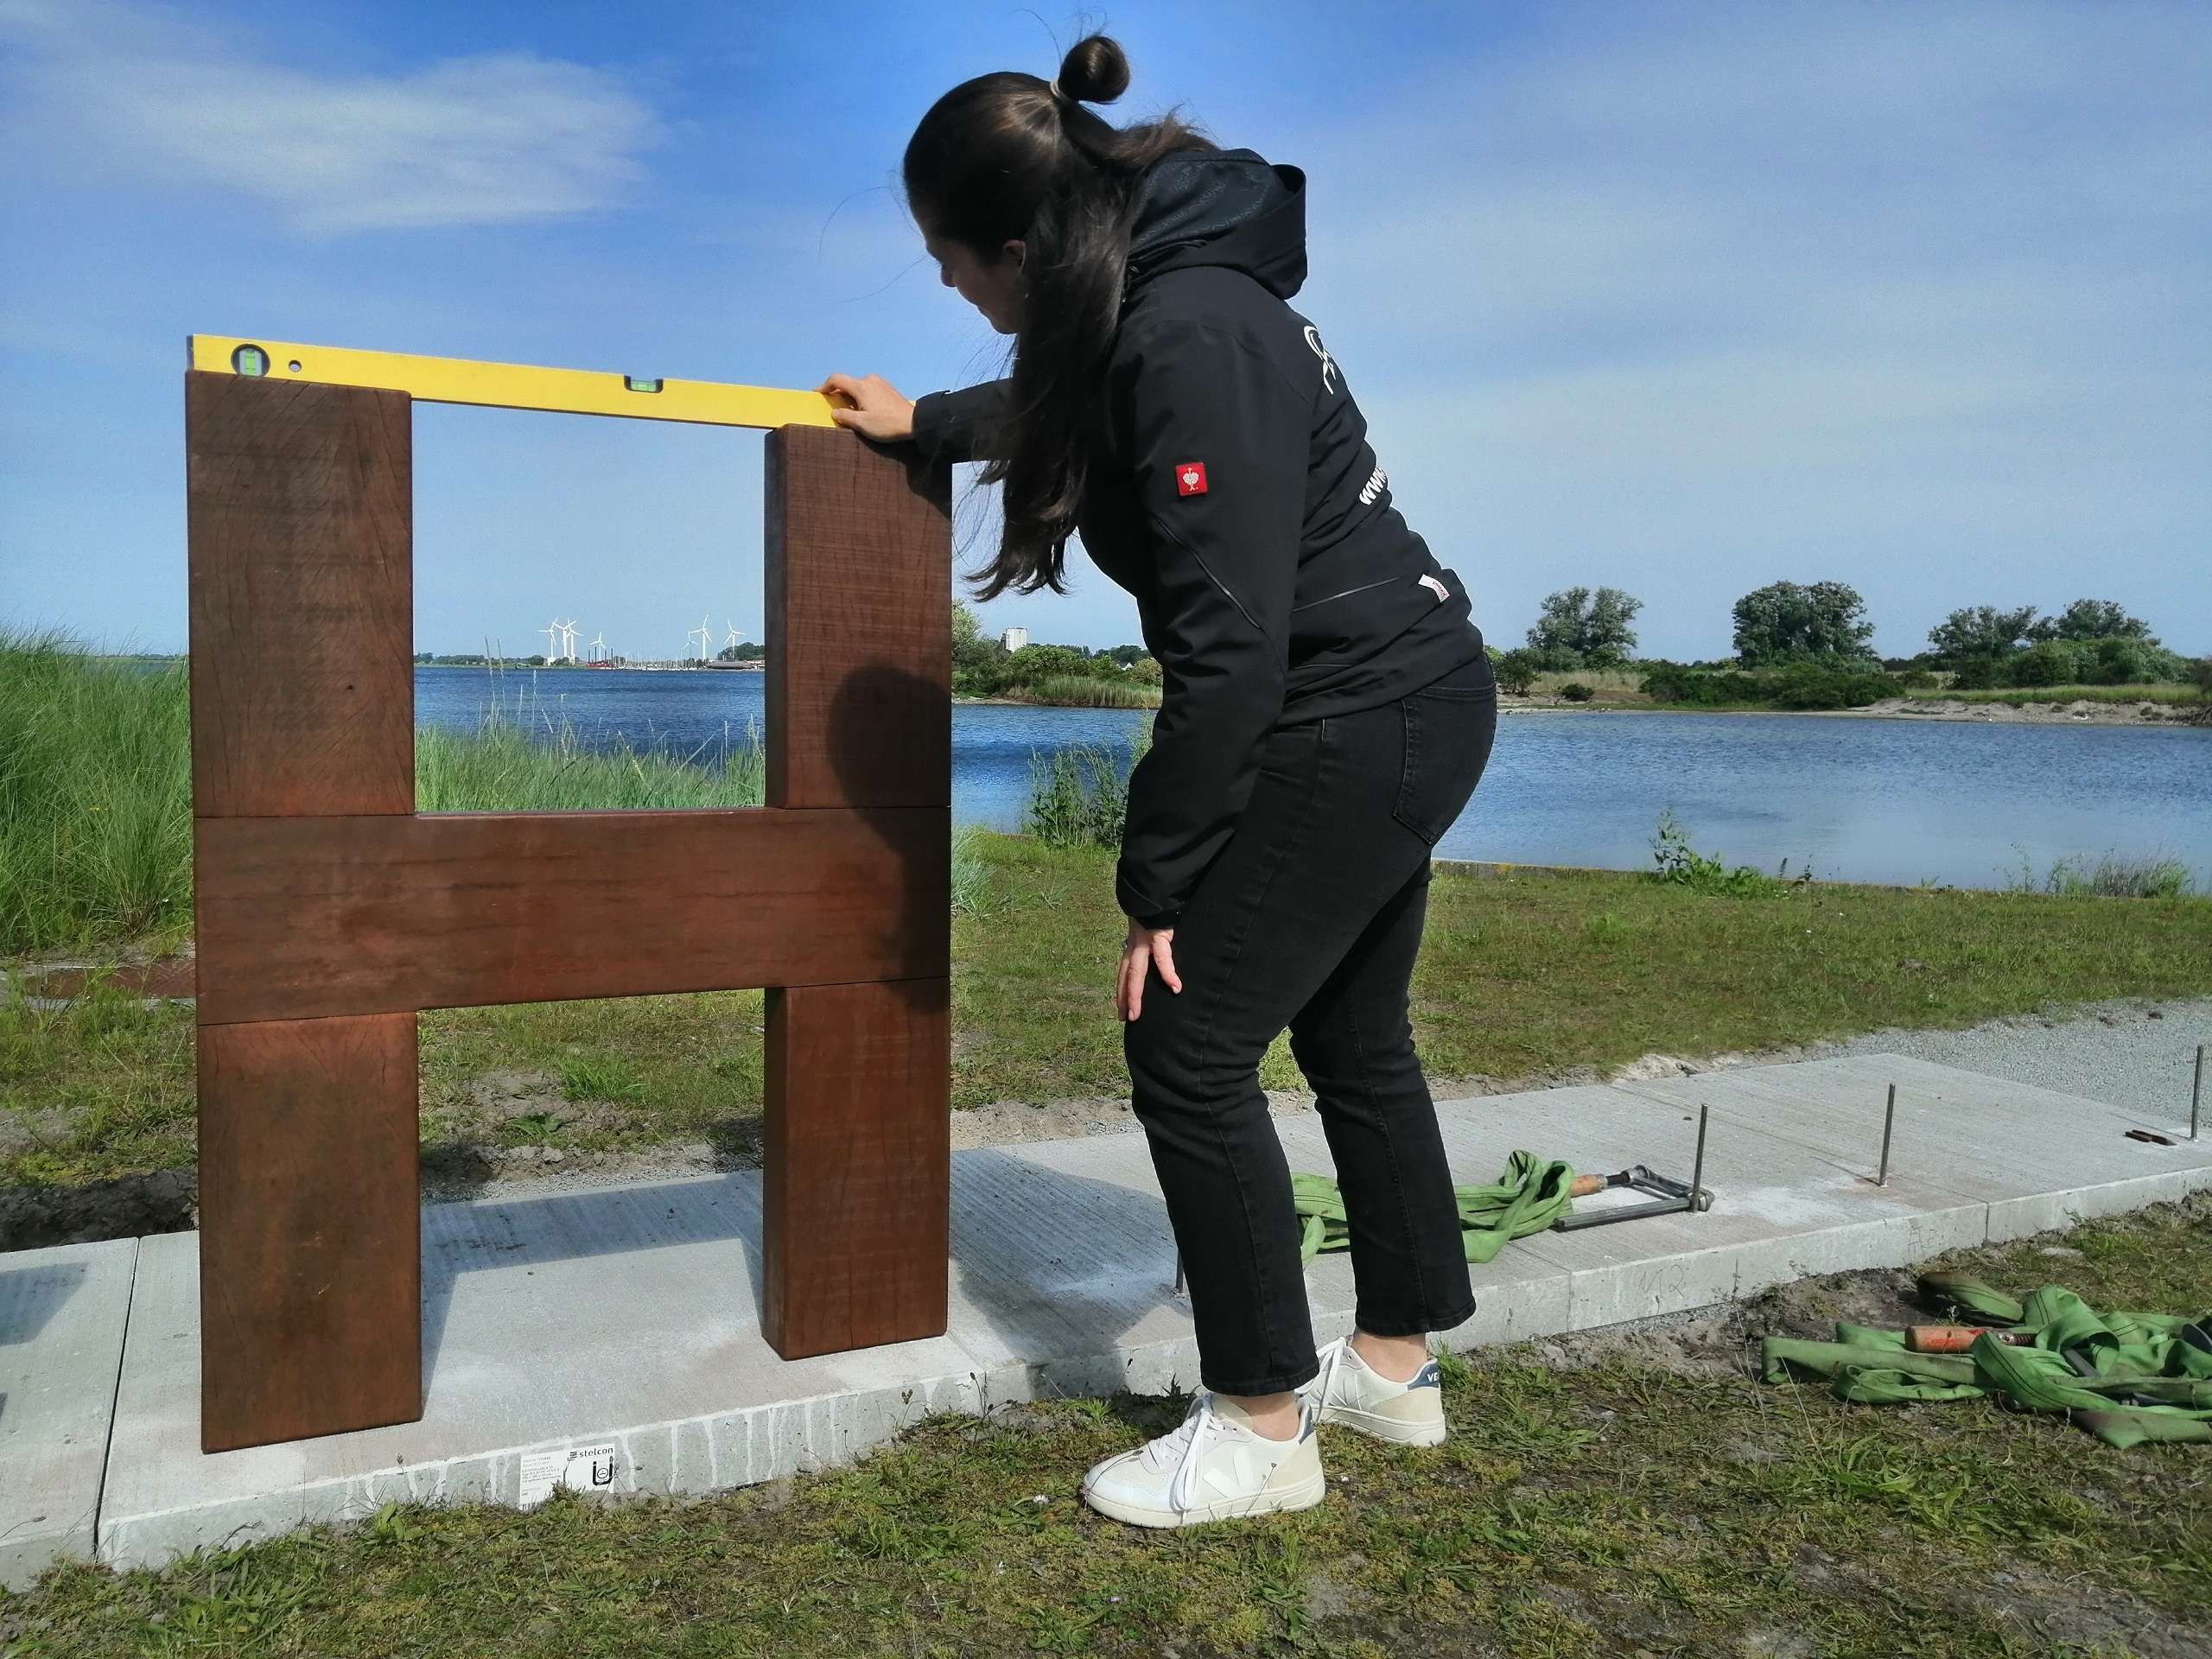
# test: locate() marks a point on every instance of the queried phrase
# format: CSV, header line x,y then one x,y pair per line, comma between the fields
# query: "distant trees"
x,y
1515,670
1784,622
1581,629
1981,631
2091,642
2093,619
983,667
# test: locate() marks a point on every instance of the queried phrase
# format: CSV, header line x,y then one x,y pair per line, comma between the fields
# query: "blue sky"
x,y
1683,298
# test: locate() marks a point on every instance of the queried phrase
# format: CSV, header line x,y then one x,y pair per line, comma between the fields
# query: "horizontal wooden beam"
x,y
307,918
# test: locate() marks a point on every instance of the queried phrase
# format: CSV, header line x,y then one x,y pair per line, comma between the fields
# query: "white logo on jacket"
x,y
1375,485
1328,363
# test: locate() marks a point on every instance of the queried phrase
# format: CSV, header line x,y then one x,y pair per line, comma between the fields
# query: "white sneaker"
x,y
1215,1467
1347,1390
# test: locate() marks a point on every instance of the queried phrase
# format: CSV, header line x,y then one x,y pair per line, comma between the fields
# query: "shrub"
x,y
2052,662
2121,662
2201,672
1515,669
1680,864
1575,691
1815,685
1699,688
1979,674
1080,796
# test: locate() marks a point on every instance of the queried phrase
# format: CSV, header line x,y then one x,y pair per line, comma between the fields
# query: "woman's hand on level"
x,y
1145,948
875,409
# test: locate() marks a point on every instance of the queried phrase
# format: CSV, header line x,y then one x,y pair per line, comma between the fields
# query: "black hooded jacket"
x,y
1242,508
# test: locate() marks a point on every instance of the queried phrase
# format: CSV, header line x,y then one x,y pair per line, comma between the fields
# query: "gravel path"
x,y
2135,1054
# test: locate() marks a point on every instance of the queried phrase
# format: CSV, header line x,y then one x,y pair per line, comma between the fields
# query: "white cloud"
x,y
464,141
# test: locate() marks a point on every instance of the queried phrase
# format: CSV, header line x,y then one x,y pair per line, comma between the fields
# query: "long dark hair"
x,y
1006,158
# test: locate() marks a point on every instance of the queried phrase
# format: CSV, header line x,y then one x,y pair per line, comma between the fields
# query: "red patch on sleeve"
x,y
1190,478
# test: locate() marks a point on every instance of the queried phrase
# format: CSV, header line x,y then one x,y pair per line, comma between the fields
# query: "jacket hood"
x,y
1220,207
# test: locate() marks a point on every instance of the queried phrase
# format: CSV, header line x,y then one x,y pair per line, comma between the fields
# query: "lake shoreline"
x,y
2177,716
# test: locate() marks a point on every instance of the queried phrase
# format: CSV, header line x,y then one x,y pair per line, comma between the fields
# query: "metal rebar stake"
x,y
1698,1200
2196,1094
1889,1123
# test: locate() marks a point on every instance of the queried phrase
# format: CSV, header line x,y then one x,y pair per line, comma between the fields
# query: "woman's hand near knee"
x,y
1146,948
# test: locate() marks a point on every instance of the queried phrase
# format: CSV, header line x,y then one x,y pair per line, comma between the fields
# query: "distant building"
x,y
1015,639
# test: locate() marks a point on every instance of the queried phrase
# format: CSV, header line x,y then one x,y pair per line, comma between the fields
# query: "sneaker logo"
x,y
1430,1376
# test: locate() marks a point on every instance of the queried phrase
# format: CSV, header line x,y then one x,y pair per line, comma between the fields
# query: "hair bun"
x,y
1094,70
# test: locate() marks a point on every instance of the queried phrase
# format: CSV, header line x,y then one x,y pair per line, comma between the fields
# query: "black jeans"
x,y
1311,918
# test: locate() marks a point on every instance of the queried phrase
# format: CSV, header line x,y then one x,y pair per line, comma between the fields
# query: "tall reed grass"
x,y
2161,692
1080,691
1079,796
95,795
96,788
532,757
2110,875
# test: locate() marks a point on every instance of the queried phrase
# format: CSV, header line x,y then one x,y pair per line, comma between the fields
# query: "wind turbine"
x,y
701,634
598,648
733,639
569,639
548,631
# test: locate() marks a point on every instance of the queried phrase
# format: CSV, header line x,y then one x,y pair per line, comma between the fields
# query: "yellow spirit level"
x,y
512,385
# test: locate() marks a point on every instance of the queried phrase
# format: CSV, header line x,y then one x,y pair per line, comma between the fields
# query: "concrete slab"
x,y
625,1319
2039,1160
1783,1211
62,1313
626,1315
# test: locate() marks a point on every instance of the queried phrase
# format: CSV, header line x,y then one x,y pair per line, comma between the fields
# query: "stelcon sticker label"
x,y
579,1468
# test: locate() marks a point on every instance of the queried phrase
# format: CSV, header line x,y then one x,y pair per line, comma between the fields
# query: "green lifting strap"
x,y
2128,1378
1527,1198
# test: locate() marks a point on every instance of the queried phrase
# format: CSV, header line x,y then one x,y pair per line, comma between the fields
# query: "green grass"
x,y
1609,684
96,789
2020,695
532,759
1081,691
1609,1508
1523,974
95,798
2110,875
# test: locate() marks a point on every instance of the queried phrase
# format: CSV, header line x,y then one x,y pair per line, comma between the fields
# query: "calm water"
x,y
1861,800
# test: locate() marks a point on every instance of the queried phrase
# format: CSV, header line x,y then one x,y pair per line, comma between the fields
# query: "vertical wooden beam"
x,y
299,509
310,1255
859,581
858,1145
300,515
858,1158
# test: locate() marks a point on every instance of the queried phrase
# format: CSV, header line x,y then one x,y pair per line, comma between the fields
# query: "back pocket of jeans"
x,y
1447,745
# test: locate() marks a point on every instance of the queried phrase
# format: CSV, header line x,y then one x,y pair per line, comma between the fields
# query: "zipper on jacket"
x,y
1366,586
1198,559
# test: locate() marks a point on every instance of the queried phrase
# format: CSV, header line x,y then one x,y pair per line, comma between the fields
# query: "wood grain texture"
x,y
308,917
858,1166
859,582
310,1255
299,513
